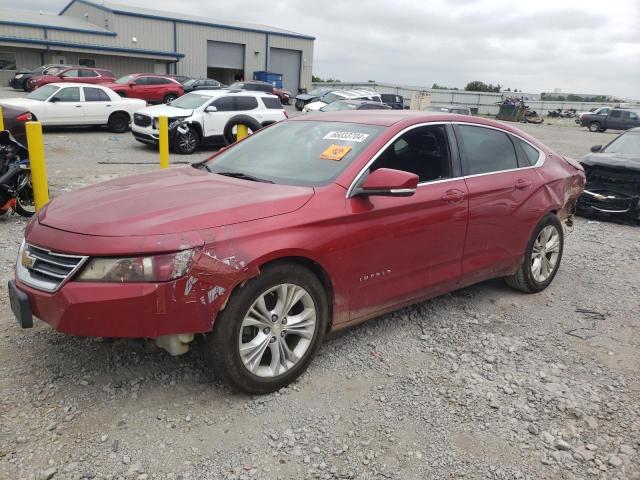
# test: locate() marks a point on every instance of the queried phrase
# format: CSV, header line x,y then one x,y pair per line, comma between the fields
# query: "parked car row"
x,y
316,99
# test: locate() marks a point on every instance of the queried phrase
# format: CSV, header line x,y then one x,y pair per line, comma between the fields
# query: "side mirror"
x,y
131,83
54,99
387,182
210,109
596,148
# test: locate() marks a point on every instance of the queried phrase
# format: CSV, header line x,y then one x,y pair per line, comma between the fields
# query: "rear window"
x,y
272,102
530,152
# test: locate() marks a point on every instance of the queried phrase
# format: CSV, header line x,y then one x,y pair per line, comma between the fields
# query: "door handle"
x,y
523,183
78,106
452,196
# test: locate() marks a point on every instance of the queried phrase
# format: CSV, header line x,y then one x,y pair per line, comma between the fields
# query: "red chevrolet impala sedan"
x,y
308,226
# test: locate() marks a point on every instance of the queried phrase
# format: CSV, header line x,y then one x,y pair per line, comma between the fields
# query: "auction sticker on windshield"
x,y
346,136
335,152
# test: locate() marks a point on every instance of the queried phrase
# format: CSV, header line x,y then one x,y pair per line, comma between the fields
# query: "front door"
x,y
65,107
503,183
614,120
214,122
409,247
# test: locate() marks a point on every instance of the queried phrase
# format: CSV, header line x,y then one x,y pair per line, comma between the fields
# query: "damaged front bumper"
x,y
607,202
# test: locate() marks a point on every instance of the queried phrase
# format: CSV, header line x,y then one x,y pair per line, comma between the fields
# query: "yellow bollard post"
x,y
35,143
241,132
1,120
163,140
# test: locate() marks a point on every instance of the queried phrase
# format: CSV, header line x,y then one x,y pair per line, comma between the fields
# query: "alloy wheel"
x,y
187,142
277,330
545,254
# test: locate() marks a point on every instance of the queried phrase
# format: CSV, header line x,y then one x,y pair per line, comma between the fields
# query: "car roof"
x,y
448,106
75,84
354,101
225,91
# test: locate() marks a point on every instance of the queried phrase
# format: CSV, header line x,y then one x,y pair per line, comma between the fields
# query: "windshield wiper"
x,y
243,176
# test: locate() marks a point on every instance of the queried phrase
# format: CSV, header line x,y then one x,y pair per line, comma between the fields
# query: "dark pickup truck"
x,y
616,119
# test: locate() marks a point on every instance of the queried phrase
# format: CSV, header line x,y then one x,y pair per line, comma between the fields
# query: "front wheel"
x,y
270,329
118,122
170,98
594,127
186,143
542,257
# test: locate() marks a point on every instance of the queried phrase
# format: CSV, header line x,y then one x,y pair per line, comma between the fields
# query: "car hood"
x,y
313,106
613,160
169,201
167,110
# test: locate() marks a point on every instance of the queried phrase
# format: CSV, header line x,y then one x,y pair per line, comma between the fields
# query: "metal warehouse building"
x,y
129,39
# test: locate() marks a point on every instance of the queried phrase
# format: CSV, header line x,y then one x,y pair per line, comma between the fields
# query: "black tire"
x,y
523,279
251,124
118,122
25,205
595,127
186,143
170,97
602,130
299,105
222,352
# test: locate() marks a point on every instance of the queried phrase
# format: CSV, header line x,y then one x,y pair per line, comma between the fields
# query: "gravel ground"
x,y
481,383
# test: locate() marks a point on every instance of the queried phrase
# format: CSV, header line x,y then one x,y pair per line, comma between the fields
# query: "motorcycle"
x,y
16,190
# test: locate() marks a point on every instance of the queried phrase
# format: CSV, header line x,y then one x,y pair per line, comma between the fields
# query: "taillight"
x,y
25,117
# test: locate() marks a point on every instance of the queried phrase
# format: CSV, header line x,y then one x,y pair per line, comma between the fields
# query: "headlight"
x,y
172,122
156,268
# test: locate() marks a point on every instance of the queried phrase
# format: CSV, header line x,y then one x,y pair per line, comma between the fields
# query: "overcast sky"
x,y
581,46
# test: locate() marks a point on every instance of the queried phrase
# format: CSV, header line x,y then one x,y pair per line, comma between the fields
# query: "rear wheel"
x,y
170,97
595,127
118,122
299,105
542,257
270,329
25,203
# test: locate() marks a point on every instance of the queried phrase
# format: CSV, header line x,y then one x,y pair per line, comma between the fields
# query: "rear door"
x,y
65,107
501,178
409,247
88,76
245,105
97,106
143,89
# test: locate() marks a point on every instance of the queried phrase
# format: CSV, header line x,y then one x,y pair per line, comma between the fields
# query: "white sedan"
x,y
79,104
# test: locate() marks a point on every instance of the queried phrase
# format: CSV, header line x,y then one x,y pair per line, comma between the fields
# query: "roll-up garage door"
x,y
225,55
286,62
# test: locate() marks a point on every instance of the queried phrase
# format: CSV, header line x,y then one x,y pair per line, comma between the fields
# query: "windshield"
x,y
53,70
626,144
332,107
331,97
316,92
308,153
126,79
190,101
43,93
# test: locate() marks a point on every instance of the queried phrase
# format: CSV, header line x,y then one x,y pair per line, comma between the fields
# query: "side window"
x,y
615,113
71,74
88,73
423,151
210,83
246,103
629,116
531,154
224,104
71,94
272,103
486,150
95,95
143,81
164,81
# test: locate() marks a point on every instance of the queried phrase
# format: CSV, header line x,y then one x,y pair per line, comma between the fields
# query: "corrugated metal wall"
x,y
26,58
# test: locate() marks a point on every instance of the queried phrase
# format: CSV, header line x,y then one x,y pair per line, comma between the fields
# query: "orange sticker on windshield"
x,y
335,152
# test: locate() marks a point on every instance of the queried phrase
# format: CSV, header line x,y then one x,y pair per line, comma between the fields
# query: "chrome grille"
x,y
44,269
141,120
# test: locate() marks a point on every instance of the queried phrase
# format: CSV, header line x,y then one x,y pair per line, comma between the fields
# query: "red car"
x,y
14,121
72,74
310,225
149,87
